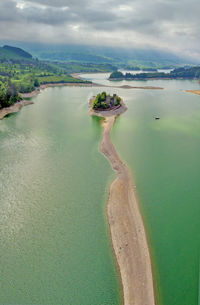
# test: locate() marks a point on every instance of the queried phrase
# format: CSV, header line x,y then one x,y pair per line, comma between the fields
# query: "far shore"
x,y
77,75
126,225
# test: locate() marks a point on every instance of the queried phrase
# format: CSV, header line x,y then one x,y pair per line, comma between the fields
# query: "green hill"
x,y
8,53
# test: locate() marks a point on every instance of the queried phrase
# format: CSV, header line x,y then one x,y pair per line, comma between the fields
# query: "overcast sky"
x,y
170,24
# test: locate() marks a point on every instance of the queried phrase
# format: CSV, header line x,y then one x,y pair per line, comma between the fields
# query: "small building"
x,y
114,99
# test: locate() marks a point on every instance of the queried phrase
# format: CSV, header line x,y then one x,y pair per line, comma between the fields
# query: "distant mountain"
x,y
113,55
9,52
120,57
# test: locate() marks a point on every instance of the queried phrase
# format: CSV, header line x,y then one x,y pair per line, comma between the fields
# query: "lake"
x,y
55,243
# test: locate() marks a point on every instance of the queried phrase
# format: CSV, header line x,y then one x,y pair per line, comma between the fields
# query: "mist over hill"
x,y
95,54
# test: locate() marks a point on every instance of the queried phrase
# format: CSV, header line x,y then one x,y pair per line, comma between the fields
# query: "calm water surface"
x,y
54,239
164,158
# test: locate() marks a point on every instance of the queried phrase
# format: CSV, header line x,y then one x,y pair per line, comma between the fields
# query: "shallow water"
x,y
55,246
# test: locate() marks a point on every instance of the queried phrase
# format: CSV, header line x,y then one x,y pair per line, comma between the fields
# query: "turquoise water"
x,y
54,241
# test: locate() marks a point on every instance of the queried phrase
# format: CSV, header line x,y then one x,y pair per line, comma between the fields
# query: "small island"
x,y
106,101
106,105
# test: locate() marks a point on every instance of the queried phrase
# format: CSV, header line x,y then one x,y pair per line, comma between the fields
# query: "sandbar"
x,y
193,91
127,230
77,75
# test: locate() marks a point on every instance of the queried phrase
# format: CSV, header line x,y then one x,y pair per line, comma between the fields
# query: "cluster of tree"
x,y
179,73
26,86
8,94
149,69
104,101
117,74
188,72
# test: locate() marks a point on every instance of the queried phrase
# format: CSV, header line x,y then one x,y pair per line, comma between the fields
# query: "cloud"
x,y
168,24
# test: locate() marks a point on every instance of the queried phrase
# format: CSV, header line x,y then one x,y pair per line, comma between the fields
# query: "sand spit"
x,y
193,91
77,75
14,108
126,226
139,87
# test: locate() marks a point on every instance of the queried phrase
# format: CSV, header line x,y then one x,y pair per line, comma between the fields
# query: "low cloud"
x,y
168,24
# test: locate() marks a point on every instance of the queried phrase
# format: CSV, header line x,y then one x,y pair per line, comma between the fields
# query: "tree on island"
x,y
116,74
105,101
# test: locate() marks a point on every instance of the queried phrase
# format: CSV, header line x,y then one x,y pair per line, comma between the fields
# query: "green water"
x,y
54,240
164,157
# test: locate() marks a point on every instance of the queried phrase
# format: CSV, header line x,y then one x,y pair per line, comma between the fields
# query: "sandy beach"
x,y
126,227
14,108
193,91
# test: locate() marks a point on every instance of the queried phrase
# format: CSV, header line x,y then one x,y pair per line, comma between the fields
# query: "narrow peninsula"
x,y
125,221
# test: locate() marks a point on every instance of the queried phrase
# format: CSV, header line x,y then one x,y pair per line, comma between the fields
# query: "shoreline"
x,y
51,85
18,105
14,108
126,226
